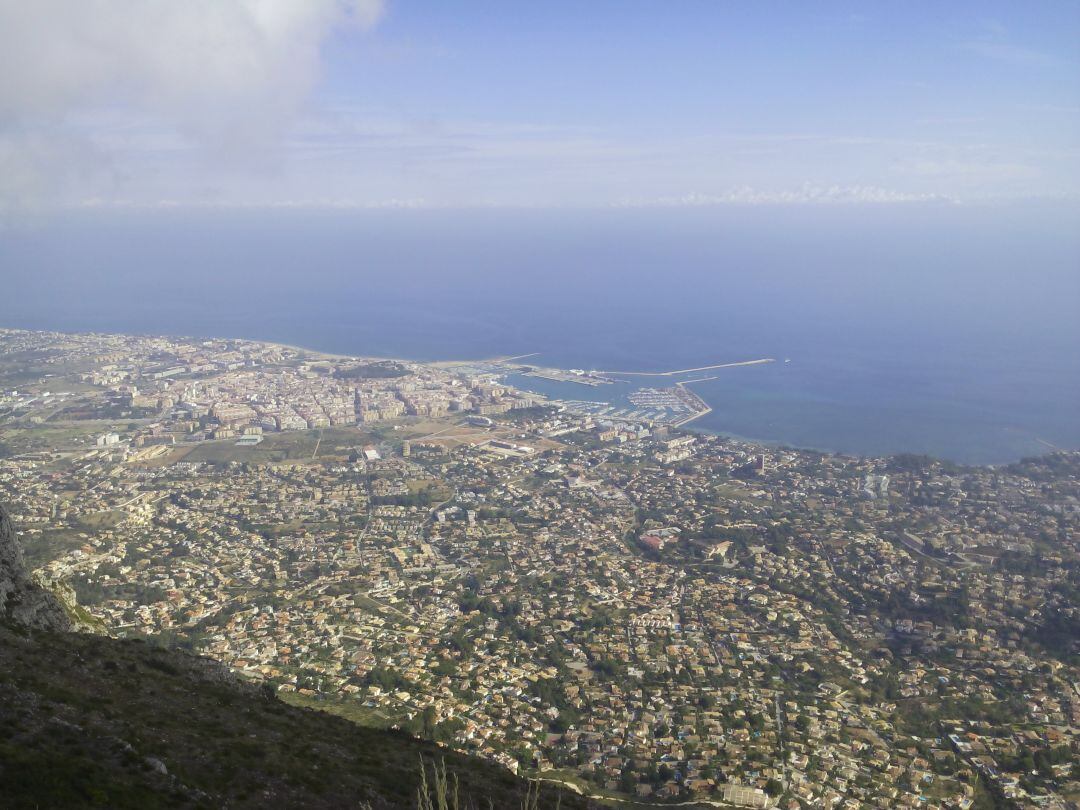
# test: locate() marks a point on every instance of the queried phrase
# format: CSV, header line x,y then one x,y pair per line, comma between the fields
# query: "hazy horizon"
x,y
931,328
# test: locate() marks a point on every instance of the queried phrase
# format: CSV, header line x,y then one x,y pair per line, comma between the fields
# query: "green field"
x,y
45,546
291,447
102,520
57,437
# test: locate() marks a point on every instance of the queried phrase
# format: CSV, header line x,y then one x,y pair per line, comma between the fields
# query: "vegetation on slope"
x,y
95,721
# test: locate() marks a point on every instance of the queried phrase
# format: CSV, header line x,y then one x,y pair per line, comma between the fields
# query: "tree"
x,y
427,721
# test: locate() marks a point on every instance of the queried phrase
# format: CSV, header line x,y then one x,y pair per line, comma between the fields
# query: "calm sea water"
x,y
926,329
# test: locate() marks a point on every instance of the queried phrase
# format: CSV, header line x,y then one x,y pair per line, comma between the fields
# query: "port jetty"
x,y
676,372
595,378
591,378
698,407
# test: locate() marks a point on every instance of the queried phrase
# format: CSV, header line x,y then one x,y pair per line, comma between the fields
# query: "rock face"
x,y
23,601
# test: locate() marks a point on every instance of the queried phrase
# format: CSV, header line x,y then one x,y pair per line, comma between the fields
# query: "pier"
x,y
697,405
691,370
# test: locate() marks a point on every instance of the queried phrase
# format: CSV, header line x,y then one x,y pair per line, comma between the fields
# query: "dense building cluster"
x,y
629,609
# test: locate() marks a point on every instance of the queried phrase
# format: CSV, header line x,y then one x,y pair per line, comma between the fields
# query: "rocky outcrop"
x,y
22,600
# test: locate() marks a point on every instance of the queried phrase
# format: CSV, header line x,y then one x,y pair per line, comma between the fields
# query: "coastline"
x,y
691,424
434,363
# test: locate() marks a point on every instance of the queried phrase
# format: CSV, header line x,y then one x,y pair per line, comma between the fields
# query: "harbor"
x,y
674,406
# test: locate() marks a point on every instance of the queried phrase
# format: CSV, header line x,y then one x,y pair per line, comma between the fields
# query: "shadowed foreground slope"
x,y
93,721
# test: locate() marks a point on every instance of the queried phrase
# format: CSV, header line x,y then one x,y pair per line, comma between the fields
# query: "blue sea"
x,y
937,329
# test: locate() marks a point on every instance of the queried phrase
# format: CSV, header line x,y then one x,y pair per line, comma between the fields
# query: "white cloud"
x,y
1011,53
208,102
224,73
307,203
985,170
805,195
994,41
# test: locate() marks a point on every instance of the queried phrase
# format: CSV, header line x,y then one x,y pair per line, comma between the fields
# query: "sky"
x,y
608,103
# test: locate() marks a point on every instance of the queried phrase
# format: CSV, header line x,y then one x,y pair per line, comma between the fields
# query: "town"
x,y
613,603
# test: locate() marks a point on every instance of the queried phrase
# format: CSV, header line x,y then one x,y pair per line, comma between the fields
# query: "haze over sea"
x,y
925,328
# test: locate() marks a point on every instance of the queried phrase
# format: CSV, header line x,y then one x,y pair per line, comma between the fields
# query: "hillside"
x,y
93,721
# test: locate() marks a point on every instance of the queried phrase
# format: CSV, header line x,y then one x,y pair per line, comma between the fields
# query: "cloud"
x,y
994,42
210,102
806,195
1013,54
223,73
992,171
307,203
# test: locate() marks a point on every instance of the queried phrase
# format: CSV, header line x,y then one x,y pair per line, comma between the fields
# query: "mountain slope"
x,y
22,601
93,721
